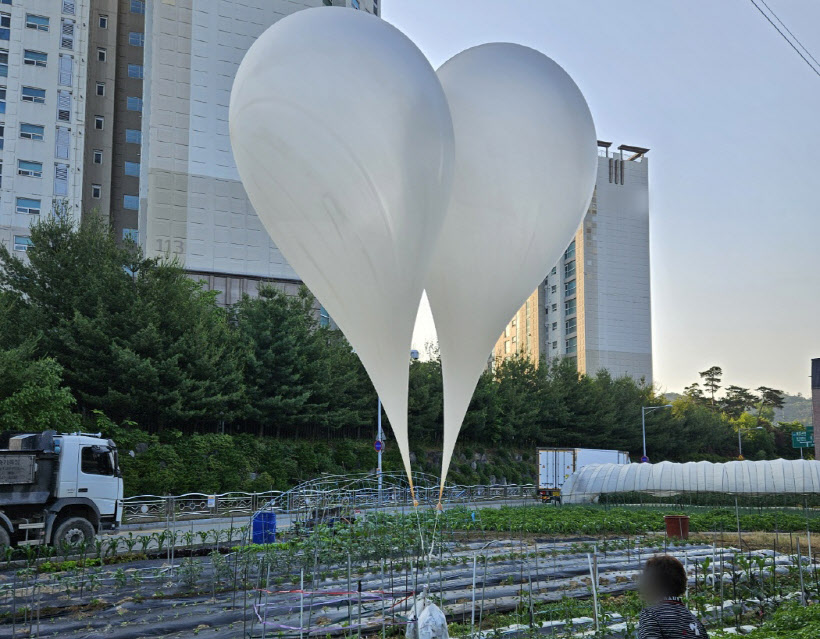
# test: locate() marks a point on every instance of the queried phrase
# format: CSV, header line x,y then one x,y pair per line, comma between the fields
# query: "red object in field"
x,y
677,526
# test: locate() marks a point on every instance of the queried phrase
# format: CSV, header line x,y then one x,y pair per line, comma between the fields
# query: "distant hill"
x,y
796,408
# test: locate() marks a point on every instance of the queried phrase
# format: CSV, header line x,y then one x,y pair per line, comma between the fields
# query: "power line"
x,y
785,37
794,37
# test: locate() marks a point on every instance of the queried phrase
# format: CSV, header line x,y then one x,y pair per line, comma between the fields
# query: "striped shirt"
x,y
670,619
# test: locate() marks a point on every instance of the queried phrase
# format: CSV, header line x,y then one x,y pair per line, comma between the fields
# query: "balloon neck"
x,y
439,506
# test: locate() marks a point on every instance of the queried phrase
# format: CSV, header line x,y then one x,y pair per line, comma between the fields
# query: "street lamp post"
x,y
644,410
739,443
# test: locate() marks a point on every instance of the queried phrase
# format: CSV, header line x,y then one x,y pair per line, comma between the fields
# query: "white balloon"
x,y
343,140
525,165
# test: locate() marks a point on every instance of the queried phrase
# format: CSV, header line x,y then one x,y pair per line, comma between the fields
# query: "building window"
x,y
570,307
2,136
68,7
4,63
103,22
136,39
99,122
569,269
32,132
134,136
2,99
30,94
569,288
570,252
35,58
63,142
101,88
133,104
101,54
572,345
65,72
138,6
97,155
570,325
131,202
61,179
22,242
96,191
132,235
30,169
28,206
132,168
555,345
135,71
63,105
39,23
555,326
66,34
554,270
555,308
5,26
507,347
554,289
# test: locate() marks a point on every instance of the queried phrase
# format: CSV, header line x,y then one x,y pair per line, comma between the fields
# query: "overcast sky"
x,y
732,117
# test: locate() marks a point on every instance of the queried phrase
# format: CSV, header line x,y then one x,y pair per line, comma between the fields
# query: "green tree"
x,y
711,381
32,396
136,338
737,401
276,331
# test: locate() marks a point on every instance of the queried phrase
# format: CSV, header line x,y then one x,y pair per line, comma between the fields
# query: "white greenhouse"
x,y
772,477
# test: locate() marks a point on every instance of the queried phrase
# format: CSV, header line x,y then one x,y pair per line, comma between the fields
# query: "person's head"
x,y
664,576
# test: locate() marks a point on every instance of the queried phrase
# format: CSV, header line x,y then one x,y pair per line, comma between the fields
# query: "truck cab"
x,y
60,489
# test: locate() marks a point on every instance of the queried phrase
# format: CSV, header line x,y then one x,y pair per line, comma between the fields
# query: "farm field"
x,y
510,571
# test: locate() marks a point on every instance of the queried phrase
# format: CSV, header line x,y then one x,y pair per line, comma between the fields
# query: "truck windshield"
x,y
96,461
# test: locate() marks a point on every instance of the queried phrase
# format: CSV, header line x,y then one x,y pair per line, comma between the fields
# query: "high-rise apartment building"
x,y
43,78
119,108
192,203
594,306
113,149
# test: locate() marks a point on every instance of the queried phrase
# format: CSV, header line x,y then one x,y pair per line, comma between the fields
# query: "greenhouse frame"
x,y
771,477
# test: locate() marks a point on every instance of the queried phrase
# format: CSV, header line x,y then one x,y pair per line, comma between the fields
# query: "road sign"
x,y
644,459
378,446
803,438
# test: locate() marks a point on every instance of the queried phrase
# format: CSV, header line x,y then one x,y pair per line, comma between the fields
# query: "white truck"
x,y
555,465
58,489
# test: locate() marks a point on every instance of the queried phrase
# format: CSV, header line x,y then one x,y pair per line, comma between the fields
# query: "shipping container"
x,y
555,465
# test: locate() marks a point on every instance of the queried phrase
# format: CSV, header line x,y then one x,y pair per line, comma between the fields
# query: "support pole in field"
x,y
800,571
592,575
383,596
737,518
472,613
301,602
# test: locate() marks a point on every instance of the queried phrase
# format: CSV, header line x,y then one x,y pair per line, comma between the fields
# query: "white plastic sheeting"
x,y
525,162
778,476
343,139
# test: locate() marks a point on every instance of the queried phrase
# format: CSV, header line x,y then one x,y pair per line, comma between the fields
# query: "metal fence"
x,y
357,492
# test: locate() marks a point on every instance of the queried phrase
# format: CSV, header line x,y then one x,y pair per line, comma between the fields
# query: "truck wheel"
x,y
5,540
74,531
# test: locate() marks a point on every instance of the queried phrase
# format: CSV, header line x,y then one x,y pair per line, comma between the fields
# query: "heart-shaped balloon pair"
x,y
378,177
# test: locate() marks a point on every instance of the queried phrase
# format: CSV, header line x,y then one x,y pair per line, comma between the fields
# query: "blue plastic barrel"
x,y
264,528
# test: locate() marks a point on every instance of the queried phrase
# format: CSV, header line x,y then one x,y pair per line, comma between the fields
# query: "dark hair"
x,y
666,575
